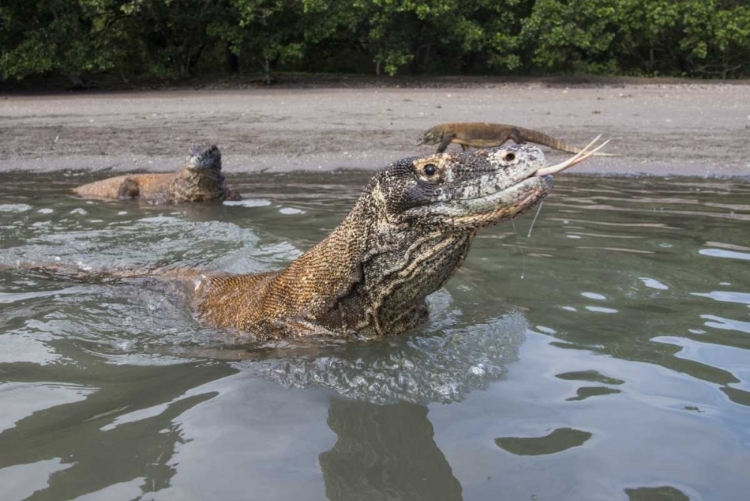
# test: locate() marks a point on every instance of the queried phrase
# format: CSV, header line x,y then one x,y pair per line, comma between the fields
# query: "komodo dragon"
x,y
200,180
407,234
486,135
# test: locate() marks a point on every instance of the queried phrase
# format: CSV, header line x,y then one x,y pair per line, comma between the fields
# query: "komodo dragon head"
x,y
462,192
204,157
408,233
431,136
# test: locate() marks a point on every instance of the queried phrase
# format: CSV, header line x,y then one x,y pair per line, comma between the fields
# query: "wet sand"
x,y
689,129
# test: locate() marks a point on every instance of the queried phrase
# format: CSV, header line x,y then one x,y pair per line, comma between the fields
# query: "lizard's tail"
x,y
537,137
78,271
83,273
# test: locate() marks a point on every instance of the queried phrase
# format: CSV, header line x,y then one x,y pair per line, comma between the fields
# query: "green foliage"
x,y
180,38
717,37
174,33
706,38
573,35
44,36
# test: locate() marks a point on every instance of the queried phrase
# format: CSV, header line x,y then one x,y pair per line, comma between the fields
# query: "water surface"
x,y
606,356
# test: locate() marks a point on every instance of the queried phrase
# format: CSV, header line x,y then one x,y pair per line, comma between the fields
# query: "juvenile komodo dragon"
x,y
407,234
486,135
200,180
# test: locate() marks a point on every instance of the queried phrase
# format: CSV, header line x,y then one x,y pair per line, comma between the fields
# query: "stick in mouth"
x,y
579,157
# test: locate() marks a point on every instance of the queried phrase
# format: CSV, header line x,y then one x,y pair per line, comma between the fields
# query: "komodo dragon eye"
x,y
430,170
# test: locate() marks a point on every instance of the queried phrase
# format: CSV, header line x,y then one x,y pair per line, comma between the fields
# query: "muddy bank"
x,y
692,129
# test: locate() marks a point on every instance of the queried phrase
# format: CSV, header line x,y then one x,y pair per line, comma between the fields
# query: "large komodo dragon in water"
x,y
486,135
200,180
407,234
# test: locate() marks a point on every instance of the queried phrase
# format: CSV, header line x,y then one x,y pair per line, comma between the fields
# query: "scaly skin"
x,y
408,233
199,181
487,135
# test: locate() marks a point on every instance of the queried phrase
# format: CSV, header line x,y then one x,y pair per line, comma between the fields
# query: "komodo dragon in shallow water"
x,y
486,135
408,233
200,180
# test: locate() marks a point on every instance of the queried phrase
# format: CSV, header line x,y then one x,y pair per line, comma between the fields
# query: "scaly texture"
x,y
486,135
407,234
200,180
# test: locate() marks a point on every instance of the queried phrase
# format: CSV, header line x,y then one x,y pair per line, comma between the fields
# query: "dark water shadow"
x,y
559,440
661,493
385,452
589,376
442,362
94,449
585,392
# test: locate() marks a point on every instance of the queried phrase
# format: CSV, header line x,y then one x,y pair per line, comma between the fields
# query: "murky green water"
x,y
605,357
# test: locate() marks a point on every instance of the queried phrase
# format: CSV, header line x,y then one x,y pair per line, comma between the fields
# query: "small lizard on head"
x,y
487,135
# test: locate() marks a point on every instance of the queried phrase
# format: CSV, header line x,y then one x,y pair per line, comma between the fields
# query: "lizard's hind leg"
x,y
515,136
128,189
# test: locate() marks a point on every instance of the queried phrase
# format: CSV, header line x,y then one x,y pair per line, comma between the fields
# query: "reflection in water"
x,y
385,452
559,440
590,376
443,364
662,493
94,454
585,392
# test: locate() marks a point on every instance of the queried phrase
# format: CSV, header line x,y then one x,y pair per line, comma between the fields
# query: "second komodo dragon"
x,y
487,135
200,180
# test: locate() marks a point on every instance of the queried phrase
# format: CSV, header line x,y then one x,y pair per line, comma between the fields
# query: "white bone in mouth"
x,y
579,157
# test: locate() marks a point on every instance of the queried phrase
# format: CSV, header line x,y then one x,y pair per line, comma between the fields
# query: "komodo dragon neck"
x,y
407,234
368,277
189,185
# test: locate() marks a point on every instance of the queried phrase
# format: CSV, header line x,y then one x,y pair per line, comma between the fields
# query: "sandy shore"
x,y
693,129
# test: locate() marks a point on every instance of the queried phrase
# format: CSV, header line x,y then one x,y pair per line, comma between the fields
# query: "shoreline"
x,y
693,129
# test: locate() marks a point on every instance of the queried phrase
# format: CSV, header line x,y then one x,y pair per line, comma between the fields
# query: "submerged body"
x,y
487,135
407,234
200,180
